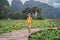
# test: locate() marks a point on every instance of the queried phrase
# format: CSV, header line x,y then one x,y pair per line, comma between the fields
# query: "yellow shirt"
x,y
29,20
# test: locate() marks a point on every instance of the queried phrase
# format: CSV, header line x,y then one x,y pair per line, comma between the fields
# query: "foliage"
x,y
4,9
11,25
4,2
46,35
1,15
14,15
32,11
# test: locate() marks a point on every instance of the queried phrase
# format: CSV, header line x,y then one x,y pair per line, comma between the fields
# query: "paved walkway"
x,y
18,35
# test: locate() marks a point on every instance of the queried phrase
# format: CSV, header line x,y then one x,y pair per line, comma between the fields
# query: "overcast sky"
x,y
55,3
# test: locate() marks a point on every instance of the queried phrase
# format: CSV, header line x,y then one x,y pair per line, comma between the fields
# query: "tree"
x,y
4,8
32,11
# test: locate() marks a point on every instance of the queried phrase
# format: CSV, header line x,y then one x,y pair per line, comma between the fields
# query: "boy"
x,y
29,22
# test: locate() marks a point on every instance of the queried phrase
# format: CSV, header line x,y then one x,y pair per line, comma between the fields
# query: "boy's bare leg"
x,y
29,25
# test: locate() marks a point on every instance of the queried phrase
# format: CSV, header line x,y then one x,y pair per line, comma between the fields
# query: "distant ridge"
x,y
47,12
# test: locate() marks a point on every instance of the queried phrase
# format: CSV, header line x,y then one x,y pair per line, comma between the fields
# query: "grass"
x,y
11,25
46,35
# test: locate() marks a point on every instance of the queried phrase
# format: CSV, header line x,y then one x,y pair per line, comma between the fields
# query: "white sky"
x,y
56,5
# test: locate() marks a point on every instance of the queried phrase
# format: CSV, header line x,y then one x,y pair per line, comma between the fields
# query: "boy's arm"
x,y
26,22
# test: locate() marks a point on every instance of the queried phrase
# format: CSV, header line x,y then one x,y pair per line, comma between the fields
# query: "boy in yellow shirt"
x,y
29,22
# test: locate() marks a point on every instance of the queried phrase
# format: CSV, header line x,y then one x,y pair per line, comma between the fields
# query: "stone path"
x,y
18,35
